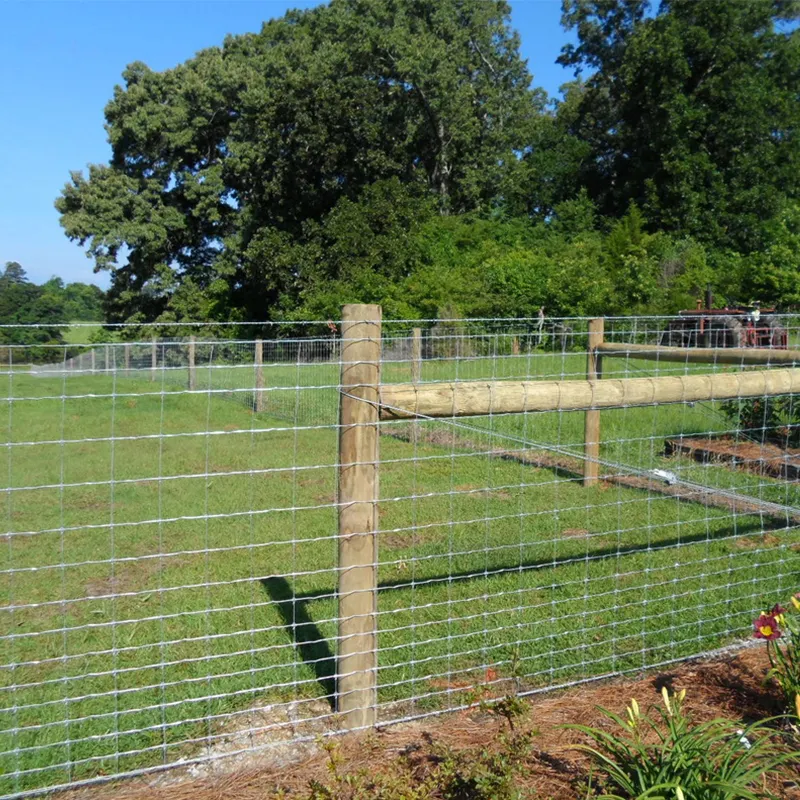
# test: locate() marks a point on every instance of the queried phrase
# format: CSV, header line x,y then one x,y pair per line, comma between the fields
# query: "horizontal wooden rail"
x,y
407,400
700,355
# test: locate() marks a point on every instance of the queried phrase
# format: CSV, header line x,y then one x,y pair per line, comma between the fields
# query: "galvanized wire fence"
x,y
169,577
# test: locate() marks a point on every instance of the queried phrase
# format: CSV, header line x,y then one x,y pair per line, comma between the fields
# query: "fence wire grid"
x,y
168,577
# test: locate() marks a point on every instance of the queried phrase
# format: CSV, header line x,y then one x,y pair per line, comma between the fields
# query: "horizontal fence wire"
x,y
169,571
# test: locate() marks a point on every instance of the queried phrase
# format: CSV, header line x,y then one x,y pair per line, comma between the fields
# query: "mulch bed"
x,y
729,686
763,459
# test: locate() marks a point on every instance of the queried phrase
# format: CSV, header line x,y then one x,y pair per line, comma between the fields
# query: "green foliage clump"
x,y
398,153
766,419
780,629
48,306
664,755
450,774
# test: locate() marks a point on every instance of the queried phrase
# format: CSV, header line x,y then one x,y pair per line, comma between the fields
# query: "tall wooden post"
x,y
259,398
106,358
94,360
192,373
153,358
127,349
416,371
416,355
591,436
358,515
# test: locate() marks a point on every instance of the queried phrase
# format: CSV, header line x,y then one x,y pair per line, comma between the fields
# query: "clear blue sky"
x,y
59,62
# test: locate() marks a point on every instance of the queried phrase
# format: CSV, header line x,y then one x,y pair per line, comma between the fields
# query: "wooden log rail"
x,y
406,401
699,355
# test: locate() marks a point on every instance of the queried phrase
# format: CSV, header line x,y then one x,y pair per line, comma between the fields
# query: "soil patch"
x,y
763,459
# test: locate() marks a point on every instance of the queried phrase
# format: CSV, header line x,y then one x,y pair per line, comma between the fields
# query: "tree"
x,y
691,113
13,274
253,143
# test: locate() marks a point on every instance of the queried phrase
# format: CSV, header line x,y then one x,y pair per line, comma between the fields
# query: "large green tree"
x,y
225,160
691,112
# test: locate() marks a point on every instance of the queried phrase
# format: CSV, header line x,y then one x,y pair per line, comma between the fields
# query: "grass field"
x,y
169,558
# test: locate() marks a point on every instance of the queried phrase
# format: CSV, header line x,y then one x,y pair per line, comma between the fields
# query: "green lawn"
x,y
169,558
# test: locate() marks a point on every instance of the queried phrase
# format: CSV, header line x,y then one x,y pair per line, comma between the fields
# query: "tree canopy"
x,y
47,306
397,151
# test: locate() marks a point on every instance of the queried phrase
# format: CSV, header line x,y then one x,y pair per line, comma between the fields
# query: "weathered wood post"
x,y
153,358
127,350
94,360
192,373
106,358
591,436
358,515
259,398
416,355
416,372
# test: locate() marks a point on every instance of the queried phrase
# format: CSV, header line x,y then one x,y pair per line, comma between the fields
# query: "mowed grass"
x,y
169,557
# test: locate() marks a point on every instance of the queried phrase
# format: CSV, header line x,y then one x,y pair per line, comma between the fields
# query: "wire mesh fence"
x,y
169,577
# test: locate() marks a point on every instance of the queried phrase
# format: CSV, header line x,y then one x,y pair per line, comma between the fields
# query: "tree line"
x,y
399,152
40,311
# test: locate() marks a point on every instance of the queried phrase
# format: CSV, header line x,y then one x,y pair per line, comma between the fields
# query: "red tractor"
x,y
740,326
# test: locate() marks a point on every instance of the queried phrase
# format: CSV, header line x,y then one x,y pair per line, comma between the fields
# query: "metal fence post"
x,y
358,515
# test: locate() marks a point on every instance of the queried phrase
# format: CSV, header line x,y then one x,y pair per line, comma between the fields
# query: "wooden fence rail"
x,y
699,355
472,398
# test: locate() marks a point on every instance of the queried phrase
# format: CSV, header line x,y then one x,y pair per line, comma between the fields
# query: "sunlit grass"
x,y
169,551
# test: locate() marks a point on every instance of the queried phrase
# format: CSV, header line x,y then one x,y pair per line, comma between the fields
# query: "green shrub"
x,y
775,419
780,629
663,755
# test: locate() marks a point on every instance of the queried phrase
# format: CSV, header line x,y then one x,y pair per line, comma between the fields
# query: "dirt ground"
x,y
729,686
759,458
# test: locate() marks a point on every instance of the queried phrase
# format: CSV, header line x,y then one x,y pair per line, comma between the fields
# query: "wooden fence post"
x,y
416,355
153,358
106,358
591,436
358,515
94,360
127,350
259,398
192,372
416,372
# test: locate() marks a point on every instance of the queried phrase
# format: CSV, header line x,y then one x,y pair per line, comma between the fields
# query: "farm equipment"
x,y
739,326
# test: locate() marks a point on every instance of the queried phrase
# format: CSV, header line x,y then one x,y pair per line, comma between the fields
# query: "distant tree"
x,y
41,311
691,113
13,274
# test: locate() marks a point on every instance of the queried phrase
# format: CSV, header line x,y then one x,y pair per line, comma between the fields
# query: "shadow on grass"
x,y
315,651
733,533
311,645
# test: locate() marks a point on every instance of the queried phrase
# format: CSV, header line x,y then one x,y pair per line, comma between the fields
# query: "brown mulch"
x,y
728,686
761,458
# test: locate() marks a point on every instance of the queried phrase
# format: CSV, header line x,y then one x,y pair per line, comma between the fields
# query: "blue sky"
x,y
59,62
